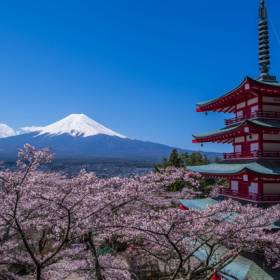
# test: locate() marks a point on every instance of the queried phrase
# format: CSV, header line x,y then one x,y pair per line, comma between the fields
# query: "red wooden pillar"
x,y
261,142
260,189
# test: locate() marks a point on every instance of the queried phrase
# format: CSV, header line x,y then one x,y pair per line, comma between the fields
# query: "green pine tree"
x,y
174,160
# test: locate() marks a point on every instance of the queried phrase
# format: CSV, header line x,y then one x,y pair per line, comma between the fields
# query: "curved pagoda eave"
x,y
269,169
229,133
248,88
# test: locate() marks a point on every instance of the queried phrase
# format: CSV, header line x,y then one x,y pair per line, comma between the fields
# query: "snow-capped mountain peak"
x,y
74,125
6,131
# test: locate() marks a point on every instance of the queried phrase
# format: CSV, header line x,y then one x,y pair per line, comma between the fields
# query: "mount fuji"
x,y
78,137
75,125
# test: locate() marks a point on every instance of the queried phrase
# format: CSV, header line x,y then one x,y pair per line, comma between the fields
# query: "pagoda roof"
x,y
231,131
248,88
266,168
212,134
204,203
198,204
239,268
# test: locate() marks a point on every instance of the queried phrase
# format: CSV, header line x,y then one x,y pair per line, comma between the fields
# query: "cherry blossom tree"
x,y
120,199
37,213
191,244
52,226
42,213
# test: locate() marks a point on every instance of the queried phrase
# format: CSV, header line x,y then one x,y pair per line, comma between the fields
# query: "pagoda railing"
x,y
235,120
258,114
256,154
251,196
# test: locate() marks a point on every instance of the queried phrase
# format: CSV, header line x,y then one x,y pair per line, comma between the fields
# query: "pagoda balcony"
x,y
252,155
258,114
272,198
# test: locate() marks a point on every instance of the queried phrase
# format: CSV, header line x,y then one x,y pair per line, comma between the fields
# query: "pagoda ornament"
x,y
264,50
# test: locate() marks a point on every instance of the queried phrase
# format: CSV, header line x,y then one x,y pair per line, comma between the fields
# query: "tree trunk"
x,y
90,241
38,273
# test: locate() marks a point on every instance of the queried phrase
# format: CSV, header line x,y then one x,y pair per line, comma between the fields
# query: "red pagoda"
x,y
253,168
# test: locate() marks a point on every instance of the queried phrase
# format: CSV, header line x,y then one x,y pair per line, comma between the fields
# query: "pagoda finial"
x,y
264,51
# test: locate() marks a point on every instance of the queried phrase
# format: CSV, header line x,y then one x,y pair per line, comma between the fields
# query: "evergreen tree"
x,y
174,160
195,158
182,160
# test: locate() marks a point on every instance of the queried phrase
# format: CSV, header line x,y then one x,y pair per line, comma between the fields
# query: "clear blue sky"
x,y
138,67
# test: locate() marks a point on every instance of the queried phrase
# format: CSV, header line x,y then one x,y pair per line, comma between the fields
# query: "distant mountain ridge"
x,y
78,137
6,131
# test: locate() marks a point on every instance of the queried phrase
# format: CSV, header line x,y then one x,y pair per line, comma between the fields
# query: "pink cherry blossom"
x,y
53,226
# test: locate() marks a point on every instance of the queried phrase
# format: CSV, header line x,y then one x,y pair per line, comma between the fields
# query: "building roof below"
x,y
240,268
199,204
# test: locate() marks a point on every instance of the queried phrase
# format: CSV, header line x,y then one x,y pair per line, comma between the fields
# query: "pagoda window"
x,y
271,188
252,101
245,178
234,186
254,147
253,188
240,114
254,109
238,148
240,105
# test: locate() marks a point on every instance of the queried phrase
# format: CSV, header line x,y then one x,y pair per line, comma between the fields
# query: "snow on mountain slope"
x,y
74,125
6,131
30,129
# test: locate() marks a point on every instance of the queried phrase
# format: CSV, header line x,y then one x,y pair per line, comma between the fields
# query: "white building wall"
x,y
240,105
252,101
240,139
